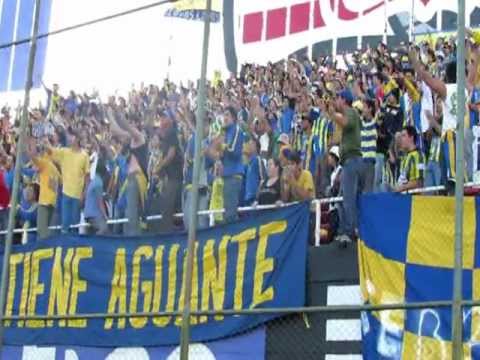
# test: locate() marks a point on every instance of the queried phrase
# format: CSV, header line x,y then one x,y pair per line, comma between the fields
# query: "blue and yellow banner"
x,y
255,263
406,254
195,10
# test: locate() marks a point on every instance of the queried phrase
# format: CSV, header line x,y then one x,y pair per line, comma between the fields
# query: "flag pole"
x,y
192,226
457,313
18,166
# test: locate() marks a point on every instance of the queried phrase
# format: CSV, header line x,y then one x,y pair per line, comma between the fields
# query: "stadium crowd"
x,y
377,120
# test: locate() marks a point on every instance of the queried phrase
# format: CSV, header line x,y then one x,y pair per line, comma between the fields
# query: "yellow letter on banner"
x,y
172,285
36,288
158,283
194,297
119,290
22,311
264,265
60,287
242,239
146,252
15,259
214,277
78,285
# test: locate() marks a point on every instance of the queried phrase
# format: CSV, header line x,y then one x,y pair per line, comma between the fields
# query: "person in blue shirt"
x,y
203,182
288,114
95,211
230,149
254,172
27,211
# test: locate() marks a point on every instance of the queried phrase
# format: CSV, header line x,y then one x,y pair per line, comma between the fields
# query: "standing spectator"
x,y
206,164
171,168
75,167
447,91
368,144
4,195
231,156
412,163
95,210
27,212
49,179
136,183
433,169
255,172
351,159
297,183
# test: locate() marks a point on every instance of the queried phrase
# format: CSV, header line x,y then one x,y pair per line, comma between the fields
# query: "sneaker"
x,y
343,241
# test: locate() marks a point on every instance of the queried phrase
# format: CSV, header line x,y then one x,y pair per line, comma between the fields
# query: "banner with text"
x,y
258,262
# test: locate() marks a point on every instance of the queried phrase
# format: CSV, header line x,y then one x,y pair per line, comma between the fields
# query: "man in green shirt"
x,y
351,159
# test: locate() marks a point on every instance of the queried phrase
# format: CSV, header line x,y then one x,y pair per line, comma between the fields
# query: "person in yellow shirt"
x,y
49,179
75,167
297,183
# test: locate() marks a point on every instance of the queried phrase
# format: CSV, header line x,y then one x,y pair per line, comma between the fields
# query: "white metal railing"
x,y
317,205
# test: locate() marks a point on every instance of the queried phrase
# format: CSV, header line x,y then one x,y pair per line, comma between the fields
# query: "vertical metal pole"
x,y
385,22
318,222
192,228
411,36
18,166
457,318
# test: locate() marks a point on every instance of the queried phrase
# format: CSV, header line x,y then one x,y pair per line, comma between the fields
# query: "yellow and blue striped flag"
x,y
406,254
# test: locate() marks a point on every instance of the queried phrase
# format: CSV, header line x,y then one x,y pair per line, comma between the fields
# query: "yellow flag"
x,y
197,5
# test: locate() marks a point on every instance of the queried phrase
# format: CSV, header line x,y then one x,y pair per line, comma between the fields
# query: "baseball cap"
x,y
358,105
284,139
335,151
346,94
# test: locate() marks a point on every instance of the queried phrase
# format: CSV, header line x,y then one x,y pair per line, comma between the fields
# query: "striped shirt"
x,y
369,140
323,131
435,146
411,167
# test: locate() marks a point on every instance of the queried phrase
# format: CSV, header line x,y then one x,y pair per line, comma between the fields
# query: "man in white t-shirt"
x,y
447,90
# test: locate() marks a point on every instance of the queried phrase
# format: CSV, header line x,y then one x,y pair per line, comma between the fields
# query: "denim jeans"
x,y
70,212
351,189
133,210
433,174
368,176
378,181
202,205
232,186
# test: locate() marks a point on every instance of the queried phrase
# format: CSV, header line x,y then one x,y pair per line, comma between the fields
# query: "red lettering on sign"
x,y
345,13
299,17
276,23
252,27
318,21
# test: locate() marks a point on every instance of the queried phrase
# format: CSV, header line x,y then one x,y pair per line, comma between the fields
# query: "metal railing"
x,y
316,204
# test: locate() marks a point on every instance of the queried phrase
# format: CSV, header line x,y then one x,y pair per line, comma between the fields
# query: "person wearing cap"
x,y
333,161
351,160
297,183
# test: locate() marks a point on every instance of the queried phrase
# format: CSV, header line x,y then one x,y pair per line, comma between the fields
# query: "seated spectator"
x,y
270,189
297,183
